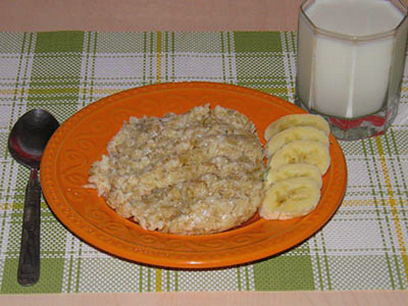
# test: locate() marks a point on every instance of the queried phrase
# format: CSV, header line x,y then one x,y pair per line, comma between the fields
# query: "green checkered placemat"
x,y
363,247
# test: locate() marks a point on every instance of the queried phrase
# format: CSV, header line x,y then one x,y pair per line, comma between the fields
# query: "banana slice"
x,y
302,151
291,171
297,120
290,198
294,133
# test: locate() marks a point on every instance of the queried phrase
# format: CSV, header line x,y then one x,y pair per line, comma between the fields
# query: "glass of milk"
x,y
351,57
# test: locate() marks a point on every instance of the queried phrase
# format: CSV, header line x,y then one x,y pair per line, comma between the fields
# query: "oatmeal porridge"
x,y
195,173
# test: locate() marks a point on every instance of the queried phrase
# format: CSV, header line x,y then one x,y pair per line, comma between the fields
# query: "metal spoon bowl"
x,y
26,143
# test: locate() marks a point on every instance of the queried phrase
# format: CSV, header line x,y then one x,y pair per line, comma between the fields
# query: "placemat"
x,y
364,246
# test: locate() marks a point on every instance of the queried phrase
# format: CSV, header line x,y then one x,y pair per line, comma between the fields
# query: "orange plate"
x,y
82,139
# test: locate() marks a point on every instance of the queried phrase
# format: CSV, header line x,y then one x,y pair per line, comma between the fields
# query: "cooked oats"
x,y
195,173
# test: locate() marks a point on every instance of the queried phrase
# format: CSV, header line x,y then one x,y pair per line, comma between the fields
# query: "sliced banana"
x,y
302,151
291,171
294,133
296,120
290,198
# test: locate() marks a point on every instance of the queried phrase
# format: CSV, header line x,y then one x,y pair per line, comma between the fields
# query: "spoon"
x,y
26,143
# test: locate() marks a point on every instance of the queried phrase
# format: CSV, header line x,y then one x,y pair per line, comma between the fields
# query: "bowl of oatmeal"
x,y
222,166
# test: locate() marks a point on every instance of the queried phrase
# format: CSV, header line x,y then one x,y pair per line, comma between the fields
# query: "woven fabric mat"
x,y
363,247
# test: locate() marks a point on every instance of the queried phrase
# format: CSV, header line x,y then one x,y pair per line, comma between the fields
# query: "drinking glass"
x,y
350,63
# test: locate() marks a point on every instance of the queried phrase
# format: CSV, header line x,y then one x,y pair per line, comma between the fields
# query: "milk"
x,y
343,77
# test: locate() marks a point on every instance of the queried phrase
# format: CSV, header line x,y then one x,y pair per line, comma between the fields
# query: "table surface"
x,y
153,15
25,15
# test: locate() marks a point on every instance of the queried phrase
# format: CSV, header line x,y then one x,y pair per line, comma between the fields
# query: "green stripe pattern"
x,y
363,247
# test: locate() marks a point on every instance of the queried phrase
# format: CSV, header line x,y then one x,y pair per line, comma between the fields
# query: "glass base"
x,y
357,128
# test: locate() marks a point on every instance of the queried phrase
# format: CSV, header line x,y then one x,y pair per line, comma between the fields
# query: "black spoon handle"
x,y
29,261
